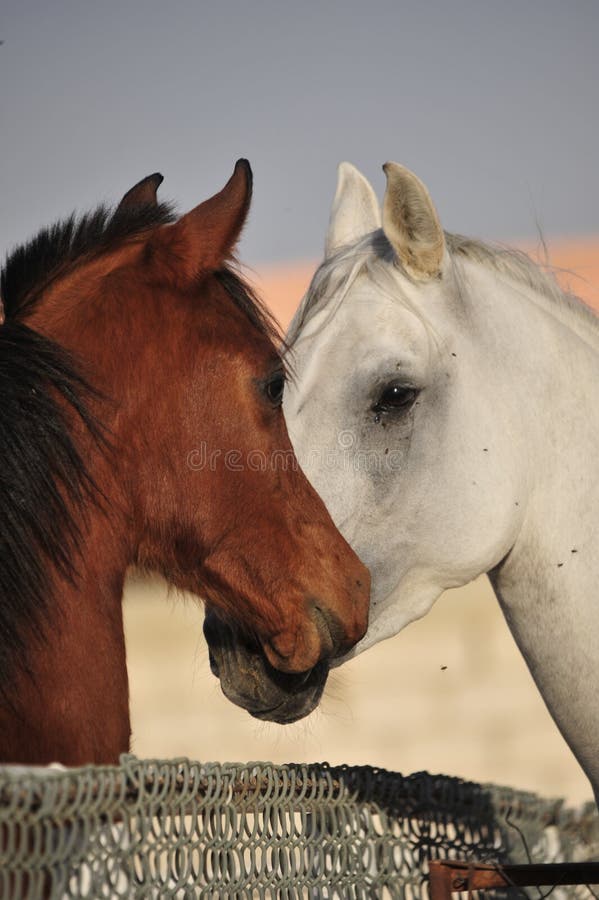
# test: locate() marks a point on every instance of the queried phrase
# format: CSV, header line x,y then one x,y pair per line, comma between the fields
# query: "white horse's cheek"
x,y
325,445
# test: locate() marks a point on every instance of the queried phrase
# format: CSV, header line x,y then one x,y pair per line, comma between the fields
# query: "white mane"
x,y
372,254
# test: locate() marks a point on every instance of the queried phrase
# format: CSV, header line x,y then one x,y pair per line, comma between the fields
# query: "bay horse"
x,y
443,406
129,342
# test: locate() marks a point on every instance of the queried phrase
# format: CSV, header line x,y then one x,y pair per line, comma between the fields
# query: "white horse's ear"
x,y
411,224
355,211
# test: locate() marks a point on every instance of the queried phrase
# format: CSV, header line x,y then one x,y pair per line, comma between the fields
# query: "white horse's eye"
x,y
395,397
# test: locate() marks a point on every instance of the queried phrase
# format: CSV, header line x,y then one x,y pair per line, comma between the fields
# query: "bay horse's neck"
x,y
72,702
547,584
69,702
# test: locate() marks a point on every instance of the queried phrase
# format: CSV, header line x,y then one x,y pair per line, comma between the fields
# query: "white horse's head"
x,y
396,408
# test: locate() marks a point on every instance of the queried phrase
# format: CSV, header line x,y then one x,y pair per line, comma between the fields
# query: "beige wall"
x,y
449,695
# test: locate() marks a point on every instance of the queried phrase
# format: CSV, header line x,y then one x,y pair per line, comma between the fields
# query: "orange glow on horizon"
x,y
576,261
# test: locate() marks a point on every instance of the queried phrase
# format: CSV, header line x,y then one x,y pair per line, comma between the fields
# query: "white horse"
x,y
444,404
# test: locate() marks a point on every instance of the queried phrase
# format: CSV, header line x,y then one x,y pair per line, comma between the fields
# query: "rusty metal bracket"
x,y
450,876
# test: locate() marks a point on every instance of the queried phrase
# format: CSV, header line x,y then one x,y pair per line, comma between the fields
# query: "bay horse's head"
x,y
201,483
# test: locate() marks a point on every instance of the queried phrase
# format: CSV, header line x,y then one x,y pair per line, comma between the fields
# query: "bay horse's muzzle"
x,y
276,664
249,680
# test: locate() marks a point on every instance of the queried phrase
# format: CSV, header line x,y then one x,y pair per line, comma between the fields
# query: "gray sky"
x,y
493,104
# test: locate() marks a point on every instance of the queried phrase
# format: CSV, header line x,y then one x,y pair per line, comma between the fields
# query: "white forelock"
x,y
372,255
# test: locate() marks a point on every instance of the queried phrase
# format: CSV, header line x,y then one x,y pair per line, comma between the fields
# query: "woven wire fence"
x,y
181,829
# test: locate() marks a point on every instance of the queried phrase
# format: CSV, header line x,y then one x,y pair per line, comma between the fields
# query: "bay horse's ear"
x,y
203,239
355,211
411,224
143,193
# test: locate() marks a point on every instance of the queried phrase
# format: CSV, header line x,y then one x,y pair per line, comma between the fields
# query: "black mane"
x,y
31,268
43,478
44,483
250,305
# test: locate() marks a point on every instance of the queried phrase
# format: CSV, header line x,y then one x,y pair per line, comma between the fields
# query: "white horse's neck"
x,y
547,585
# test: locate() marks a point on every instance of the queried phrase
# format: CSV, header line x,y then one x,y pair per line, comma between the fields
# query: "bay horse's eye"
x,y
274,388
395,397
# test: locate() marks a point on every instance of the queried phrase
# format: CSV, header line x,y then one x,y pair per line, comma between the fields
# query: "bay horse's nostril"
x,y
328,631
